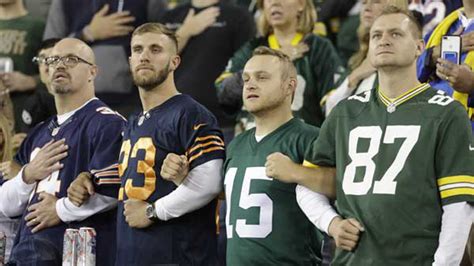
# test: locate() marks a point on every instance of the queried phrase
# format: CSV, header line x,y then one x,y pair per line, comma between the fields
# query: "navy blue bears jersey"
x,y
182,126
93,134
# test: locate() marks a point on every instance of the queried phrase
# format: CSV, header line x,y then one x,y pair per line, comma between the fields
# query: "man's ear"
x,y
174,62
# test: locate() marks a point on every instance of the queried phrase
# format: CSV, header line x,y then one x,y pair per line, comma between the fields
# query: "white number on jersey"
x,y
249,200
387,184
440,99
364,97
299,94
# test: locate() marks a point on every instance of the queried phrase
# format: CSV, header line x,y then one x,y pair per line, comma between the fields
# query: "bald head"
x,y
71,46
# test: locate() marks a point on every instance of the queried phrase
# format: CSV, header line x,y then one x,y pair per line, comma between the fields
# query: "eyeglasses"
x,y
39,59
68,60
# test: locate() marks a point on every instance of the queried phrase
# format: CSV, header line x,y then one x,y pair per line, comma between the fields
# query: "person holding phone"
x,y
455,80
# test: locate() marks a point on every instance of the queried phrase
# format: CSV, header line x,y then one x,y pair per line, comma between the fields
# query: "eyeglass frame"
x,y
39,59
62,58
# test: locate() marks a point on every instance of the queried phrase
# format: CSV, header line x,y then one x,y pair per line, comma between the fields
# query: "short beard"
x,y
154,81
60,89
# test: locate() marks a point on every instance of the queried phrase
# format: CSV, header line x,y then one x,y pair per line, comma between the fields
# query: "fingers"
x,y
77,198
103,11
356,223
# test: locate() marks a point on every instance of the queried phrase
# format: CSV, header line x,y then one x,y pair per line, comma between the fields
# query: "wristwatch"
x,y
151,213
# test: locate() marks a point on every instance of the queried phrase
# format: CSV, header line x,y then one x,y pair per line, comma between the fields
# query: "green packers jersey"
x,y
398,162
265,225
20,39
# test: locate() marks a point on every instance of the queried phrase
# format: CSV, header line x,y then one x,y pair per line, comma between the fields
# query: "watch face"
x,y
149,211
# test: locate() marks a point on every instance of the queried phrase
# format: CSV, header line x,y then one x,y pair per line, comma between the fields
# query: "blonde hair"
x,y
363,35
6,150
288,69
153,27
306,19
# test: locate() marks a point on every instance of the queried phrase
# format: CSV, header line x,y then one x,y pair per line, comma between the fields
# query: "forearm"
x,y
183,37
455,227
316,207
97,203
200,187
14,195
318,179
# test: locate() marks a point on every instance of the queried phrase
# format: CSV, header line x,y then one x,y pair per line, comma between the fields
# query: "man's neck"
x,y
66,103
285,33
157,96
468,8
395,82
14,10
271,120
203,3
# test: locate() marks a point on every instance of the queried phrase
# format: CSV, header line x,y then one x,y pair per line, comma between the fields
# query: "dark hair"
x,y
153,27
48,43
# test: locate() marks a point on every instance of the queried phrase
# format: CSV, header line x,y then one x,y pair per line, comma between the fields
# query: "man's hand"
x,y
175,168
345,232
279,166
467,41
103,26
9,169
460,77
43,214
363,71
81,189
295,52
17,81
17,140
46,161
195,24
135,213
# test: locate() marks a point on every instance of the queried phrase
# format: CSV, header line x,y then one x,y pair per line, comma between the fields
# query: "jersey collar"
x,y
273,42
393,103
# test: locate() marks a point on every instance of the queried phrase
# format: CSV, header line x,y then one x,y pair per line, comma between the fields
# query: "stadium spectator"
x,y
159,222
83,139
106,25
286,26
209,32
41,106
7,226
362,75
20,36
38,8
437,72
414,199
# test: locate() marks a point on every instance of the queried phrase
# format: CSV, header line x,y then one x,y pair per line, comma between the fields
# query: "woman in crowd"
x,y
286,25
7,171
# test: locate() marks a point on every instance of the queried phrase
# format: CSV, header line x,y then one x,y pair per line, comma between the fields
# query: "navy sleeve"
x,y
103,165
201,137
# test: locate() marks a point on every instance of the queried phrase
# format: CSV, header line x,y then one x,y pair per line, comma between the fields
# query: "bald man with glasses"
x,y
83,139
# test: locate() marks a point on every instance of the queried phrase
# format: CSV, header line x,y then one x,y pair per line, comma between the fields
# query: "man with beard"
x,y
159,222
90,132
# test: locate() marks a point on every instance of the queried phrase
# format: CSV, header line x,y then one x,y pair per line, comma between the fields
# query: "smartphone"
x,y
451,49
6,65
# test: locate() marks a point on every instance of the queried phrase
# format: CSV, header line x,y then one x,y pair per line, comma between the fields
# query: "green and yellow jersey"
x,y
398,162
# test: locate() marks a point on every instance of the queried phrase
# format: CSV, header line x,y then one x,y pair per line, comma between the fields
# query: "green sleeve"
x,y
454,159
322,152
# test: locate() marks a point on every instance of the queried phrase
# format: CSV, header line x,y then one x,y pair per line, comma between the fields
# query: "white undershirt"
x,y
456,224
15,194
314,205
201,186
